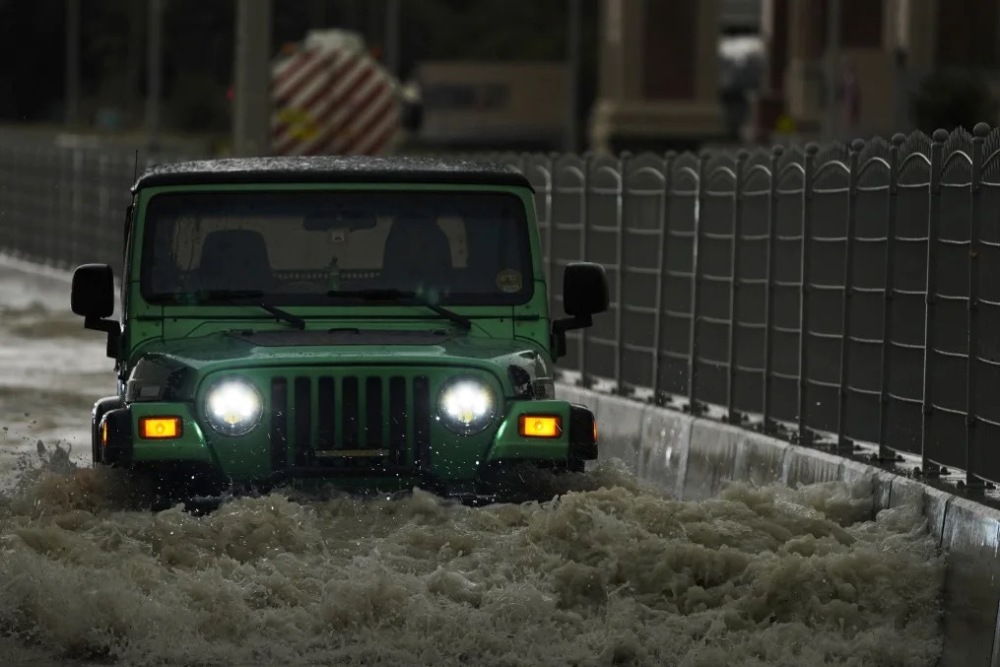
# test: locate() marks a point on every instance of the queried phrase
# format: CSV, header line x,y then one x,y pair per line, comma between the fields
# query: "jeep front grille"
x,y
350,421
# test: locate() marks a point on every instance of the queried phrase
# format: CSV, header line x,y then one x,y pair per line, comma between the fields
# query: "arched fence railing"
x,y
833,295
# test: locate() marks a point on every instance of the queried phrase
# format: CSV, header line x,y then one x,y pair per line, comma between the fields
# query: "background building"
x,y
661,84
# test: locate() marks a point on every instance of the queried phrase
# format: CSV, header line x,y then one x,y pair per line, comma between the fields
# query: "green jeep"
x,y
375,324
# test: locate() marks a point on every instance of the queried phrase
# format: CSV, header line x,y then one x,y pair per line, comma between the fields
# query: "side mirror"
x,y
93,297
93,293
585,289
585,293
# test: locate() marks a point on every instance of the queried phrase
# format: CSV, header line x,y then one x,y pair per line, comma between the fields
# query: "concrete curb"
x,y
691,458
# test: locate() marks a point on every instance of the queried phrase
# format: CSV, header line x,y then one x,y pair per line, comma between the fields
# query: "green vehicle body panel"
x,y
191,446
171,354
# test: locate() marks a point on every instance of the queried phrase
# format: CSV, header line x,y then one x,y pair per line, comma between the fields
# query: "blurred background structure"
x,y
466,75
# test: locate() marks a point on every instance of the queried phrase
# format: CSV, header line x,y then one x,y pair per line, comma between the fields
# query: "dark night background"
x,y
198,49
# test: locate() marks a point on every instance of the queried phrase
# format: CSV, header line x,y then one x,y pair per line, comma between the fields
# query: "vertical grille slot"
x,y
398,420
327,416
303,420
421,420
350,411
373,413
279,424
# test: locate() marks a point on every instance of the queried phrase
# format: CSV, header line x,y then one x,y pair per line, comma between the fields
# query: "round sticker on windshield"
x,y
509,281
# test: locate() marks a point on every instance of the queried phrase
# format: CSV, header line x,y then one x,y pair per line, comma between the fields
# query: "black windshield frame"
x,y
507,205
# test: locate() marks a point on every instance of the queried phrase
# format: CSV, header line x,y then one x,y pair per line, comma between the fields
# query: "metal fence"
x,y
844,291
63,198
840,293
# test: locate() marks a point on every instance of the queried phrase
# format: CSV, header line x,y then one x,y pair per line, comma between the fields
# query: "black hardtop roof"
x,y
333,169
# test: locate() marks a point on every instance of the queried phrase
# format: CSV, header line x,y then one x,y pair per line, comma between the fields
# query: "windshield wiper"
x,y
401,296
239,295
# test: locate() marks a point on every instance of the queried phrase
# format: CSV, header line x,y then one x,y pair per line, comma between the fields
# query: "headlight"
x,y
233,406
466,405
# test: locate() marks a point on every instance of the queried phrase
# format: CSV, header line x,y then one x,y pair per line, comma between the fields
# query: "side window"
x,y
128,227
126,254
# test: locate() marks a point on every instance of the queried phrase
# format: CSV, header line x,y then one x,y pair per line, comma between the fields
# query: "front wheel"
x,y
163,485
525,480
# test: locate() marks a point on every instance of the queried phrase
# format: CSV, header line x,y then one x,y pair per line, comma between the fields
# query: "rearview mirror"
x,y
352,220
585,293
93,296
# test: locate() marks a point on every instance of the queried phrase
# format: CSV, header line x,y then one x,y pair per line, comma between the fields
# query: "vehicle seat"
x,y
235,259
417,253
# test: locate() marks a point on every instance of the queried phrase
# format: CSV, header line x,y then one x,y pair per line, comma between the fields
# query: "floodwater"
x,y
610,573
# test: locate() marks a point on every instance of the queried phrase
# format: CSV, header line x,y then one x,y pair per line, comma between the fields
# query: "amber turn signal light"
x,y
540,426
159,428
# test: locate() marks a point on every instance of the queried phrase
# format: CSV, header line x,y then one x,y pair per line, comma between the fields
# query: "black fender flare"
x,y
582,433
101,408
118,450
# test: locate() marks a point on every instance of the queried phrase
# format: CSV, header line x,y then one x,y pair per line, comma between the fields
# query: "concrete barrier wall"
x,y
691,458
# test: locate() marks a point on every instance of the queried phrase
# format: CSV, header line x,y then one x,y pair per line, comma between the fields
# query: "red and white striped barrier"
x,y
331,97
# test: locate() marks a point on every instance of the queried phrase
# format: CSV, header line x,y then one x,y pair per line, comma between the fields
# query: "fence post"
x,y
809,167
550,260
732,415
768,425
980,131
550,198
78,220
844,445
29,165
8,204
889,285
694,407
620,387
930,295
660,397
585,380
63,168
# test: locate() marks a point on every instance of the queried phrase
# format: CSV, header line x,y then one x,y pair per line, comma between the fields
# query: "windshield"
x,y
309,247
